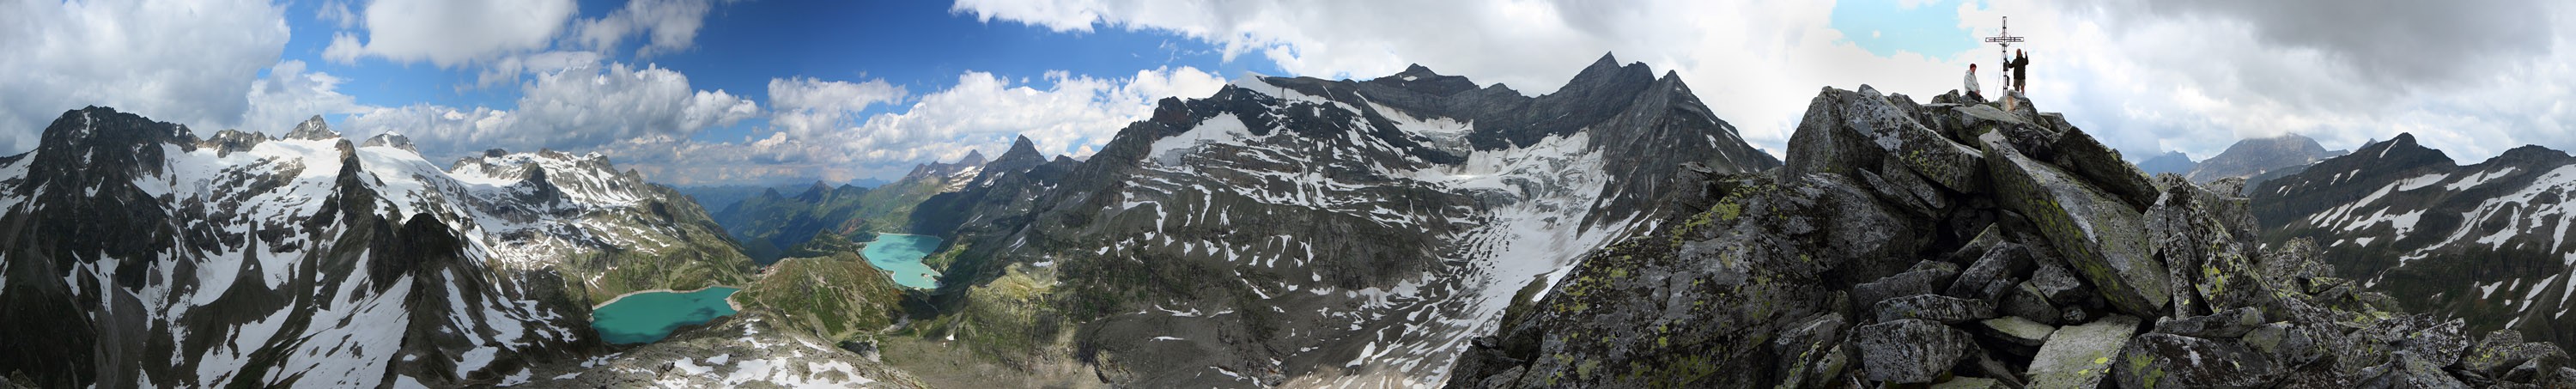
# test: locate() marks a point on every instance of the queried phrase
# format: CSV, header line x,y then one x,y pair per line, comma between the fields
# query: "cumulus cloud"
x,y
149,57
669,25
808,107
2147,76
451,33
290,94
579,107
818,134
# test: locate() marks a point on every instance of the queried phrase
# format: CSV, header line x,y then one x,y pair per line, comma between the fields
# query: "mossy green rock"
x,y
2101,238
2080,356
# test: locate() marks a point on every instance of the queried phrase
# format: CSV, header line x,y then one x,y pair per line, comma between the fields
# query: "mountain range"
x,y
1413,230
2484,241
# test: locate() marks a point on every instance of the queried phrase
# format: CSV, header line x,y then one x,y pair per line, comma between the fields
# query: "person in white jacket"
x,y
1972,84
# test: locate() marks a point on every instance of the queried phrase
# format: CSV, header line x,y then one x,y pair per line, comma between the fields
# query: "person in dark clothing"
x,y
2020,66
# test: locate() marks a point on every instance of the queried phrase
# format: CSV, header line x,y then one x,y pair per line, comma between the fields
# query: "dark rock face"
x,y
2081,272
2252,157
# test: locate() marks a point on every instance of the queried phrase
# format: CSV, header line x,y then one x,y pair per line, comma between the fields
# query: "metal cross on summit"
x,y
2006,39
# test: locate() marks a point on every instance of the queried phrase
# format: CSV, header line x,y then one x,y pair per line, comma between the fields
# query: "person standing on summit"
x,y
2020,66
1972,84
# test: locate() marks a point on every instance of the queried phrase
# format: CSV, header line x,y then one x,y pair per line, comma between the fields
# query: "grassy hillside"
x,y
836,295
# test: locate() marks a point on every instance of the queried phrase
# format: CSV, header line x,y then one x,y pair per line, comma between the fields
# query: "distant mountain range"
x,y
2485,241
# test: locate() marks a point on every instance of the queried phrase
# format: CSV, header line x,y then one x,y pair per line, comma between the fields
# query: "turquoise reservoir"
x,y
900,255
645,317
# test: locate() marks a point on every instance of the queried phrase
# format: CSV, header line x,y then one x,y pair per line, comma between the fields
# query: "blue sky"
x,y
783,91
920,45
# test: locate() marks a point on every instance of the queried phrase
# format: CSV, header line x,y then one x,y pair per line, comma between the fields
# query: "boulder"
x,y
2291,343
1944,309
2231,323
2016,330
1909,351
1845,131
2406,370
2176,361
2025,301
1925,278
2097,164
2080,356
2057,283
1812,351
2502,352
2100,238
2429,339
1993,274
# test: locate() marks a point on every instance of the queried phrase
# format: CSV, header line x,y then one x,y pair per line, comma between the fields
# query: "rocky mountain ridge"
x,y
2485,241
141,255
1309,232
1954,244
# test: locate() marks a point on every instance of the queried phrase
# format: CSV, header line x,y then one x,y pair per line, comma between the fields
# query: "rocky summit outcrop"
x,y
1955,244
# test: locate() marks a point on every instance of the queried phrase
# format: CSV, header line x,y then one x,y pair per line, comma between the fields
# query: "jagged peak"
x,y
313,129
390,139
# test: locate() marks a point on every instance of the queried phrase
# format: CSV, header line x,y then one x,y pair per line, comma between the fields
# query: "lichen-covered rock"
x,y
2290,343
2231,323
1926,278
1993,274
2175,361
2058,283
2502,352
2430,339
1907,351
2080,356
2025,301
1846,131
1813,350
2088,158
2102,239
1944,309
2407,370
2017,330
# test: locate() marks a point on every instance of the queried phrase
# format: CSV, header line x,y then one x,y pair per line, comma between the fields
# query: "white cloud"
x,y
808,107
815,136
452,32
2473,79
161,59
289,95
578,107
670,25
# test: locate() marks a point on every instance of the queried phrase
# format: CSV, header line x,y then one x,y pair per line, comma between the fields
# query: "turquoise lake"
x,y
900,255
650,316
